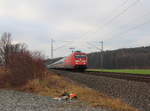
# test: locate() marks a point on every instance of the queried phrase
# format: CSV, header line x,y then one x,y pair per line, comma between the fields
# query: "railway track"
x,y
126,76
133,89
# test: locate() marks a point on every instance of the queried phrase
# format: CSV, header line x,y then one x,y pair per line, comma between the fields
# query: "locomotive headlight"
x,y
77,61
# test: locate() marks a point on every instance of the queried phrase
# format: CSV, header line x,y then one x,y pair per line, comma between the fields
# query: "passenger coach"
x,y
77,60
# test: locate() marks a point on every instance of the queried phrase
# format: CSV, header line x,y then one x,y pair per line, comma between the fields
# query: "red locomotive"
x,y
77,60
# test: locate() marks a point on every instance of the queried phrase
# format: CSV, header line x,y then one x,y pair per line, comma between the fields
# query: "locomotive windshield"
x,y
80,56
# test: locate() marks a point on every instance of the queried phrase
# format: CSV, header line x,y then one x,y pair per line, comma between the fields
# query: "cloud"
x,y
35,22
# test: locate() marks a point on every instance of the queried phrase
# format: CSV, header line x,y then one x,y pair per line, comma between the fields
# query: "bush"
x,y
23,66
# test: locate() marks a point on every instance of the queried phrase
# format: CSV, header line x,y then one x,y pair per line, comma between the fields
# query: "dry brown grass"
x,y
55,85
2,70
3,80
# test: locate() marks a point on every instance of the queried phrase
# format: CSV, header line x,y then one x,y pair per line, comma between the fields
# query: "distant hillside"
x,y
122,58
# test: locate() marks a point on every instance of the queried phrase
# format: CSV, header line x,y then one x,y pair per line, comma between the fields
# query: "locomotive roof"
x,y
77,52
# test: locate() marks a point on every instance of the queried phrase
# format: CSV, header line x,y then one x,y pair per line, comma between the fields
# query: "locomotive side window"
x,y
80,56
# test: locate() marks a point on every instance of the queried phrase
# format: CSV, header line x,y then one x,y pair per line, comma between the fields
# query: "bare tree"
x,y
19,47
7,48
5,43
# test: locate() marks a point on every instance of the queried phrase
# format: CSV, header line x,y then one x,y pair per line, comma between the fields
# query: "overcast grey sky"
x,y
119,23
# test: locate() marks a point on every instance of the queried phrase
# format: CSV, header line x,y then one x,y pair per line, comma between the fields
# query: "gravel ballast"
x,y
20,101
134,93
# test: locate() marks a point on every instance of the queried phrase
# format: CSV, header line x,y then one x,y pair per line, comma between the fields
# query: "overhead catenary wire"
x,y
115,17
125,2
132,28
122,12
126,31
62,46
59,47
118,15
112,19
119,6
125,10
93,45
135,19
114,10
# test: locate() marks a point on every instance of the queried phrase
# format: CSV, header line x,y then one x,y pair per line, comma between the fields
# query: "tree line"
x,y
127,58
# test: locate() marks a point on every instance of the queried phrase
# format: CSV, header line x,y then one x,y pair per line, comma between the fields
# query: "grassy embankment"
x,y
54,85
131,71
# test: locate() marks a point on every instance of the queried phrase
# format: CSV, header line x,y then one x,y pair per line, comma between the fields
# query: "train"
x,y
77,61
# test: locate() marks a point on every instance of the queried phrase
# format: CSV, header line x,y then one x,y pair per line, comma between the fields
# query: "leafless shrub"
x,y
23,65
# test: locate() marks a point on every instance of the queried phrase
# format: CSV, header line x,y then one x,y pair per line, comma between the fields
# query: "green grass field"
x,y
132,71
